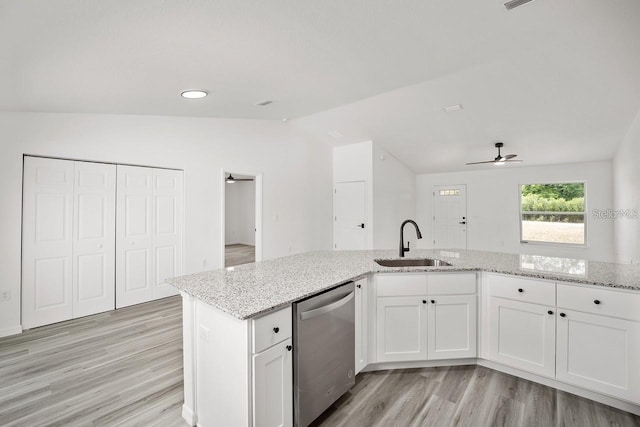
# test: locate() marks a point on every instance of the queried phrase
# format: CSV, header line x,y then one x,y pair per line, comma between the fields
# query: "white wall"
x,y
626,184
390,190
493,207
297,180
240,213
394,200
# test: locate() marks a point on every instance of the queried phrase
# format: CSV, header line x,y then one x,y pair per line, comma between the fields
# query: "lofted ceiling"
x,y
556,80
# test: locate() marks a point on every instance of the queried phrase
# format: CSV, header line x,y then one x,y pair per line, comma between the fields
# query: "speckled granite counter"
x,y
250,290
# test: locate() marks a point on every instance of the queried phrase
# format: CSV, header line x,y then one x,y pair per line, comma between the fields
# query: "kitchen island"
x,y
228,316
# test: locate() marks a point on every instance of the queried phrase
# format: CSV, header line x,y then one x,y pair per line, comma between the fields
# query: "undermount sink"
x,y
420,262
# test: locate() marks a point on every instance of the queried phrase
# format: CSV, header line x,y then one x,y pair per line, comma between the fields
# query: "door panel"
x,y
349,206
47,241
273,387
452,327
450,216
94,238
401,329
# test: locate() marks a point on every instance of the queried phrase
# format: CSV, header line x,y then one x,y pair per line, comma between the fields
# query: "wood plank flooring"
x,y
239,254
469,396
118,368
124,368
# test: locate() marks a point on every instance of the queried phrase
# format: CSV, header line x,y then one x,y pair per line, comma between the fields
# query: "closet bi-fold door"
x,y
68,258
47,247
149,233
94,228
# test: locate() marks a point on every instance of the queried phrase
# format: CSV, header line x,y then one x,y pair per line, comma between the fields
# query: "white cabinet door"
x,y
94,228
135,274
522,335
361,324
349,212
401,324
452,327
167,242
599,353
273,386
47,247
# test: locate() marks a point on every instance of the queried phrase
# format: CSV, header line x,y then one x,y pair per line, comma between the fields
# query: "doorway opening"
x,y
241,218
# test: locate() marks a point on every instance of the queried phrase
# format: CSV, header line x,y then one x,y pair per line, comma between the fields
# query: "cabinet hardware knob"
x,y
520,290
433,301
424,301
276,329
596,302
562,315
359,286
289,348
550,312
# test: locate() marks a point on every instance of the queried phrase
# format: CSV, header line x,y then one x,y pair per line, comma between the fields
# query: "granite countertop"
x,y
250,290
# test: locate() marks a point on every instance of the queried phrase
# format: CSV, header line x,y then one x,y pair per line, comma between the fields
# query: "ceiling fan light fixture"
x,y
194,94
230,179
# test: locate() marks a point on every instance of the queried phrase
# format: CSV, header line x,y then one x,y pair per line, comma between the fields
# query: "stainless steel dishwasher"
x,y
324,351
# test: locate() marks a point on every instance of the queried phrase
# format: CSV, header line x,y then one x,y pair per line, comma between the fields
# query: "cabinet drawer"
x,y
397,285
624,305
451,283
271,329
527,290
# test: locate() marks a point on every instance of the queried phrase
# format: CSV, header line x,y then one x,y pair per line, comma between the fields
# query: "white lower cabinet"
x,y
522,335
599,353
401,324
361,309
273,386
451,331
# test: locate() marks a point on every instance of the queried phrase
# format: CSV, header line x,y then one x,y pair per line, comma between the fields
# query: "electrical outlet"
x,y
5,295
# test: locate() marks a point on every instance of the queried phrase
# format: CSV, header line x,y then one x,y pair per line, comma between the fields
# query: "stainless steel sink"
x,y
420,262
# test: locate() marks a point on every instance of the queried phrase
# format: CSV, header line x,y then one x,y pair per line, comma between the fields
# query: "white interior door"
x,y
134,236
94,229
450,216
47,241
167,236
349,206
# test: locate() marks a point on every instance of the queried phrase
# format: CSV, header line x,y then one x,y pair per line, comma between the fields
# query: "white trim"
x,y
11,330
258,212
189,416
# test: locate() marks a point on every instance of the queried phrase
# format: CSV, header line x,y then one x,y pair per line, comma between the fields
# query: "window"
x,y
553,213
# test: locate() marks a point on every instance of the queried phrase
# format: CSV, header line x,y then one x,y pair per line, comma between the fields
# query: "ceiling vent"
x,y
512,4
265,102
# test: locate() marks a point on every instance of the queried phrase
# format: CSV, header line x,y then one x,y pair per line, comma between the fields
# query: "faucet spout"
x,y
418,233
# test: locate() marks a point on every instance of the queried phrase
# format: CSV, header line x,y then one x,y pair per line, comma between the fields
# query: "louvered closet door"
x,y
47,241
134,236
167,246
94,229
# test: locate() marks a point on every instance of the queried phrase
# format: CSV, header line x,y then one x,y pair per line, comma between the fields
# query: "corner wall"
x,y
297,204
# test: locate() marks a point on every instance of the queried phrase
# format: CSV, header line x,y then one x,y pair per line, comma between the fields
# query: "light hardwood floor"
x,y
124,368
239,254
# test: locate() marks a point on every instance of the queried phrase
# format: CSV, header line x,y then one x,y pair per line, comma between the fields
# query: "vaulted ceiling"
x,y
556,80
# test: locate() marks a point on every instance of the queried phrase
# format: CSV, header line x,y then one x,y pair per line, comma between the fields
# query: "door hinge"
x,y
335,218
335,246
434,242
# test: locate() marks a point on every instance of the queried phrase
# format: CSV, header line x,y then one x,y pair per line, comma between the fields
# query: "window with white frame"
x,y
553,213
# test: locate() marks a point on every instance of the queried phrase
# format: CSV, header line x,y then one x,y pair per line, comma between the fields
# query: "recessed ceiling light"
x,y
263,103
194,94
452,108
284,119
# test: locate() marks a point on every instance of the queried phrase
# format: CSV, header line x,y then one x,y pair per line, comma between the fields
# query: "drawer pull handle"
x,y
424,301
520,290
596,302
359,286
289,348
276,330
562,315
433,301
549,312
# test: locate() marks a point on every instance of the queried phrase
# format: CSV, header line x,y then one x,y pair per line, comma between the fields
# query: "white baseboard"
x,y
189,416
383,366
13,330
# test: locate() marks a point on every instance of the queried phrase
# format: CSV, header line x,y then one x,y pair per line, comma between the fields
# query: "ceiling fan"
x,y
231,180
499,159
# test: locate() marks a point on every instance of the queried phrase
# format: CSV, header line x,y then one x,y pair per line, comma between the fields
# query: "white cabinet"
x,y
273,386
522,335
452,323
68,240
361,333
599,353
401,324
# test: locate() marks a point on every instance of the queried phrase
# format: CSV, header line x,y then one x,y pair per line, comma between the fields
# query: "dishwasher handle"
x,y
326,308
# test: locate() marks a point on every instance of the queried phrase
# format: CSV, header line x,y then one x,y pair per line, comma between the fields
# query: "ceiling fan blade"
x,y
513,161
478,163
510,156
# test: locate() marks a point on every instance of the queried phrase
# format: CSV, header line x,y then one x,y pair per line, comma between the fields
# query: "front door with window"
x,y
450,216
